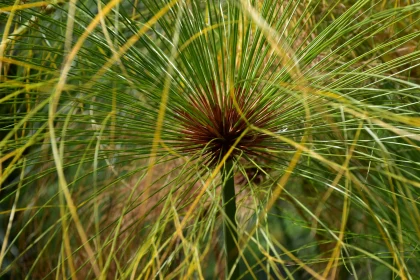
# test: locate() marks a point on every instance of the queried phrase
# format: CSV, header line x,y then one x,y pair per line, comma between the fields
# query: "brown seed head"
x,y
213,123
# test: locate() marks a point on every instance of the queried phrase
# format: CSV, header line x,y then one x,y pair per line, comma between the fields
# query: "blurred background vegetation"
x,y
97,180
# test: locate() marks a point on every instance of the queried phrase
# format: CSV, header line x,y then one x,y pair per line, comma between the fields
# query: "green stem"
x,y
229,225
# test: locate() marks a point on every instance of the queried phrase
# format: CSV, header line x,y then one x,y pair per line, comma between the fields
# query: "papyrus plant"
x,y
134,131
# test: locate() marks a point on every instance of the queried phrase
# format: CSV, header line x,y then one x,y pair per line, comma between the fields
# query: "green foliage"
x,y
102,176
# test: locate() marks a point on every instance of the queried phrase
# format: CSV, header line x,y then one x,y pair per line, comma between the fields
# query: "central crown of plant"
x,y
212,123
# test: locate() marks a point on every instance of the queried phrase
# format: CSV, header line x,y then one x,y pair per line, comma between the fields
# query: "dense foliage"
x,y
121,121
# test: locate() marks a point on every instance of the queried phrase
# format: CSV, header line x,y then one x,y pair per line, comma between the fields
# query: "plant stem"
x,y
229,225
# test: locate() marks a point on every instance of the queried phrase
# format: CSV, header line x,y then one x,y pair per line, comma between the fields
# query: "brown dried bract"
x,y
212,123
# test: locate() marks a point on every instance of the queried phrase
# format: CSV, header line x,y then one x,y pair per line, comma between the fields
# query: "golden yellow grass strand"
x,y
12,215
334,256
24,6
51,115
6,34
